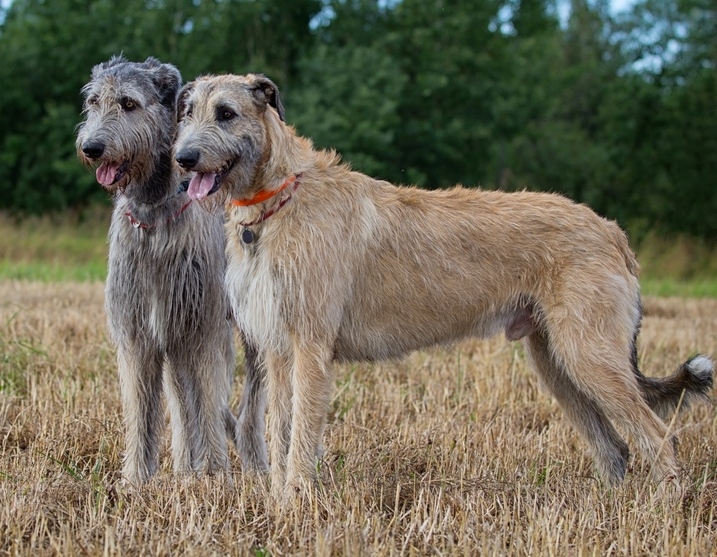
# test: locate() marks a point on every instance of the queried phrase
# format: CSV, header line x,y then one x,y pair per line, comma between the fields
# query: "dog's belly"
x,y
372,340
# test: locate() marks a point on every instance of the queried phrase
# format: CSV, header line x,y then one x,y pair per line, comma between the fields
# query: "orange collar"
x,y
263,195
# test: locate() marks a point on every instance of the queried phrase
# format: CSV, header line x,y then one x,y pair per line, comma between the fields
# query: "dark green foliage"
x,y
48,48
614,110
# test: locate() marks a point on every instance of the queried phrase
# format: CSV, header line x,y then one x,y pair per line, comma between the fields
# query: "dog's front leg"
x,y
212,393
278,370
180,386
197,387
140,376
311,381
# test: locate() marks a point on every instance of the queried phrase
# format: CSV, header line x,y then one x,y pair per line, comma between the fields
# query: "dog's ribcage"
x,y
359,304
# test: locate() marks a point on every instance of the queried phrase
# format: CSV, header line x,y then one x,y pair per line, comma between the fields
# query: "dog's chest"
x,y
156,287
255,292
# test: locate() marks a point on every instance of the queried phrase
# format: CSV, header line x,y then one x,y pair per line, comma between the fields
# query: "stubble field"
x,y
453,451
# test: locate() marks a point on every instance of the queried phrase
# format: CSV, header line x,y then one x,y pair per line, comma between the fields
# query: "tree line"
x,y
616,110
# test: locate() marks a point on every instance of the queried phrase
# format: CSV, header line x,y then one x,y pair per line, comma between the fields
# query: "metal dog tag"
x,y
247,236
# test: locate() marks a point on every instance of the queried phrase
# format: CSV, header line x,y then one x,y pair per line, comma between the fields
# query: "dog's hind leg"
x,y
621,400
230,421
609,449
595,353
214,388
249,433
140,375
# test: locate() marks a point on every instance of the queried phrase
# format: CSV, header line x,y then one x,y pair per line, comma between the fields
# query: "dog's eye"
x,y
128,104
91,100
226,114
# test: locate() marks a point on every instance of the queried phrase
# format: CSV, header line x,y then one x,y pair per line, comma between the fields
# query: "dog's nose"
x,y
188,158
93,149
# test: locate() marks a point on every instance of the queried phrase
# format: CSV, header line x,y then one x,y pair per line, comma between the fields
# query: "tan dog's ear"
x,y
266,92
182,107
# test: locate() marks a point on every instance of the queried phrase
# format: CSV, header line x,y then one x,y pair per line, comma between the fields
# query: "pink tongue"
x,y
201,185
106,173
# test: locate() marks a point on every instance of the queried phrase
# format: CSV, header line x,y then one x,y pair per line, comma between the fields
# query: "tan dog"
x,y
326,263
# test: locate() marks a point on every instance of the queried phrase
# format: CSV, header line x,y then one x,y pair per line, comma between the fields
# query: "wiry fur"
x,y
168,313
355,268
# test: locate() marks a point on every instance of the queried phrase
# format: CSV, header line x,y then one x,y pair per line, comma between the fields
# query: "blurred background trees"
x,y
614,109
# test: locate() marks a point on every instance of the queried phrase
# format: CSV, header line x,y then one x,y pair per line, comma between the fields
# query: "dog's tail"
x,y
691,381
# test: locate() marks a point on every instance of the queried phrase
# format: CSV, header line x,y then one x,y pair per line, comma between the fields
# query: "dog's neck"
x,y
155,184
156,195
295,157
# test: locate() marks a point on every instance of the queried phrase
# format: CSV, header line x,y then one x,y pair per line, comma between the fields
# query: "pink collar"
x,y
138,224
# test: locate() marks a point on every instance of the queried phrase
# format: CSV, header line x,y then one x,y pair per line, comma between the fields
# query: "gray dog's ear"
x,y
167,79
266,92
182,100
116,60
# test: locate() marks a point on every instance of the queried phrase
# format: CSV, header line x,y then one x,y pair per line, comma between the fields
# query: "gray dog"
x,y
167,310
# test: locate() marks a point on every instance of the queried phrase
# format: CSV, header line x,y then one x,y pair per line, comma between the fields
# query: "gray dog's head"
x,y
223,134
129,121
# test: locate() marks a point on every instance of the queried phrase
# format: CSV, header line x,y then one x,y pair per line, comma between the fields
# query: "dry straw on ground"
x,y
453,451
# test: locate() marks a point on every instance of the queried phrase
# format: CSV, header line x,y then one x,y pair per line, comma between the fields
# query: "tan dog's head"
x,y
223,131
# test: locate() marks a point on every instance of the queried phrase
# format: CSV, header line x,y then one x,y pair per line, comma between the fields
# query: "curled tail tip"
x,y
701,366
701,369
